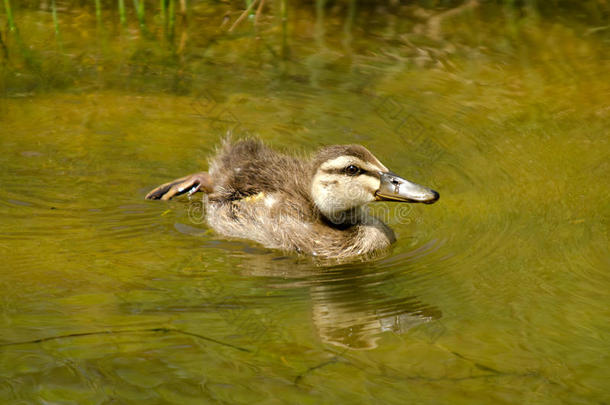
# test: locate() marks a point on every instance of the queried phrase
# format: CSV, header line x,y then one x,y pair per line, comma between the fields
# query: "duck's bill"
x,y
395,188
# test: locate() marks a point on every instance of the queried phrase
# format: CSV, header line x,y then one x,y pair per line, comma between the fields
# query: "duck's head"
x,y
346,177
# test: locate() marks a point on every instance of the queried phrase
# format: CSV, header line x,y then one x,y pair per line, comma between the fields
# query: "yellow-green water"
x,y
496,294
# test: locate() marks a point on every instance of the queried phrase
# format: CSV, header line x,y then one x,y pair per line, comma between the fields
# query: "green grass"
x,y
9,15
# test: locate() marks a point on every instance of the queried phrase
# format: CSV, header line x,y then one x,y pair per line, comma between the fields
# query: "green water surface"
x,y
497,294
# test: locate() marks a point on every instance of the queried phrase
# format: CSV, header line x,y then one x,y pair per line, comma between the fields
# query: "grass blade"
x,y
9,16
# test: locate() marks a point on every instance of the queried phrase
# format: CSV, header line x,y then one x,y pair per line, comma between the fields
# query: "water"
x,y
498,293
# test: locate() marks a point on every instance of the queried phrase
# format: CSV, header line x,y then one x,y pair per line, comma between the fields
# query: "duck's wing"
x,y
248,167
188,184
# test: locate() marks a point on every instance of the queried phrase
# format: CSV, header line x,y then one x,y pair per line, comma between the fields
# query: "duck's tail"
x,y
189,184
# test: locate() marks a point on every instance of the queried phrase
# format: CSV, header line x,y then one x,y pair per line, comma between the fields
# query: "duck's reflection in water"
x,y
352,304
355,320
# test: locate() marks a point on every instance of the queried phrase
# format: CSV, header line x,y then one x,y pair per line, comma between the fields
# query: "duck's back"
x,y
248,167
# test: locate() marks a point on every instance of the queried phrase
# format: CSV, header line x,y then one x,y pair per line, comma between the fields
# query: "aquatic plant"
x,y
98,10
9,15
122,17
140,12
167,37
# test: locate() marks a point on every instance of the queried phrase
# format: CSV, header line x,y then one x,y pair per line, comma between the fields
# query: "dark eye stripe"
x,y
342,171
372,174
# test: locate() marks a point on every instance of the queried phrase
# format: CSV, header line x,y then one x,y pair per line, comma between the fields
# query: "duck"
x,y
315,205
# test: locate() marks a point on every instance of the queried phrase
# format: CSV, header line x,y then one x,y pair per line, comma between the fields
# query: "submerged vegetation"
x,y
178,38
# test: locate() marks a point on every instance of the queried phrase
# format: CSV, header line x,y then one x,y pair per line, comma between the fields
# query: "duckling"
x,y
313,206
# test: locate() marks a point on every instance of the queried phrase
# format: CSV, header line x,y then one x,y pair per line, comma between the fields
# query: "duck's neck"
x,y
346,218
355,233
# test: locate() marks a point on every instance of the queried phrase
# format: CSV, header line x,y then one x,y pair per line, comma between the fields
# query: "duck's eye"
x,y
352,170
